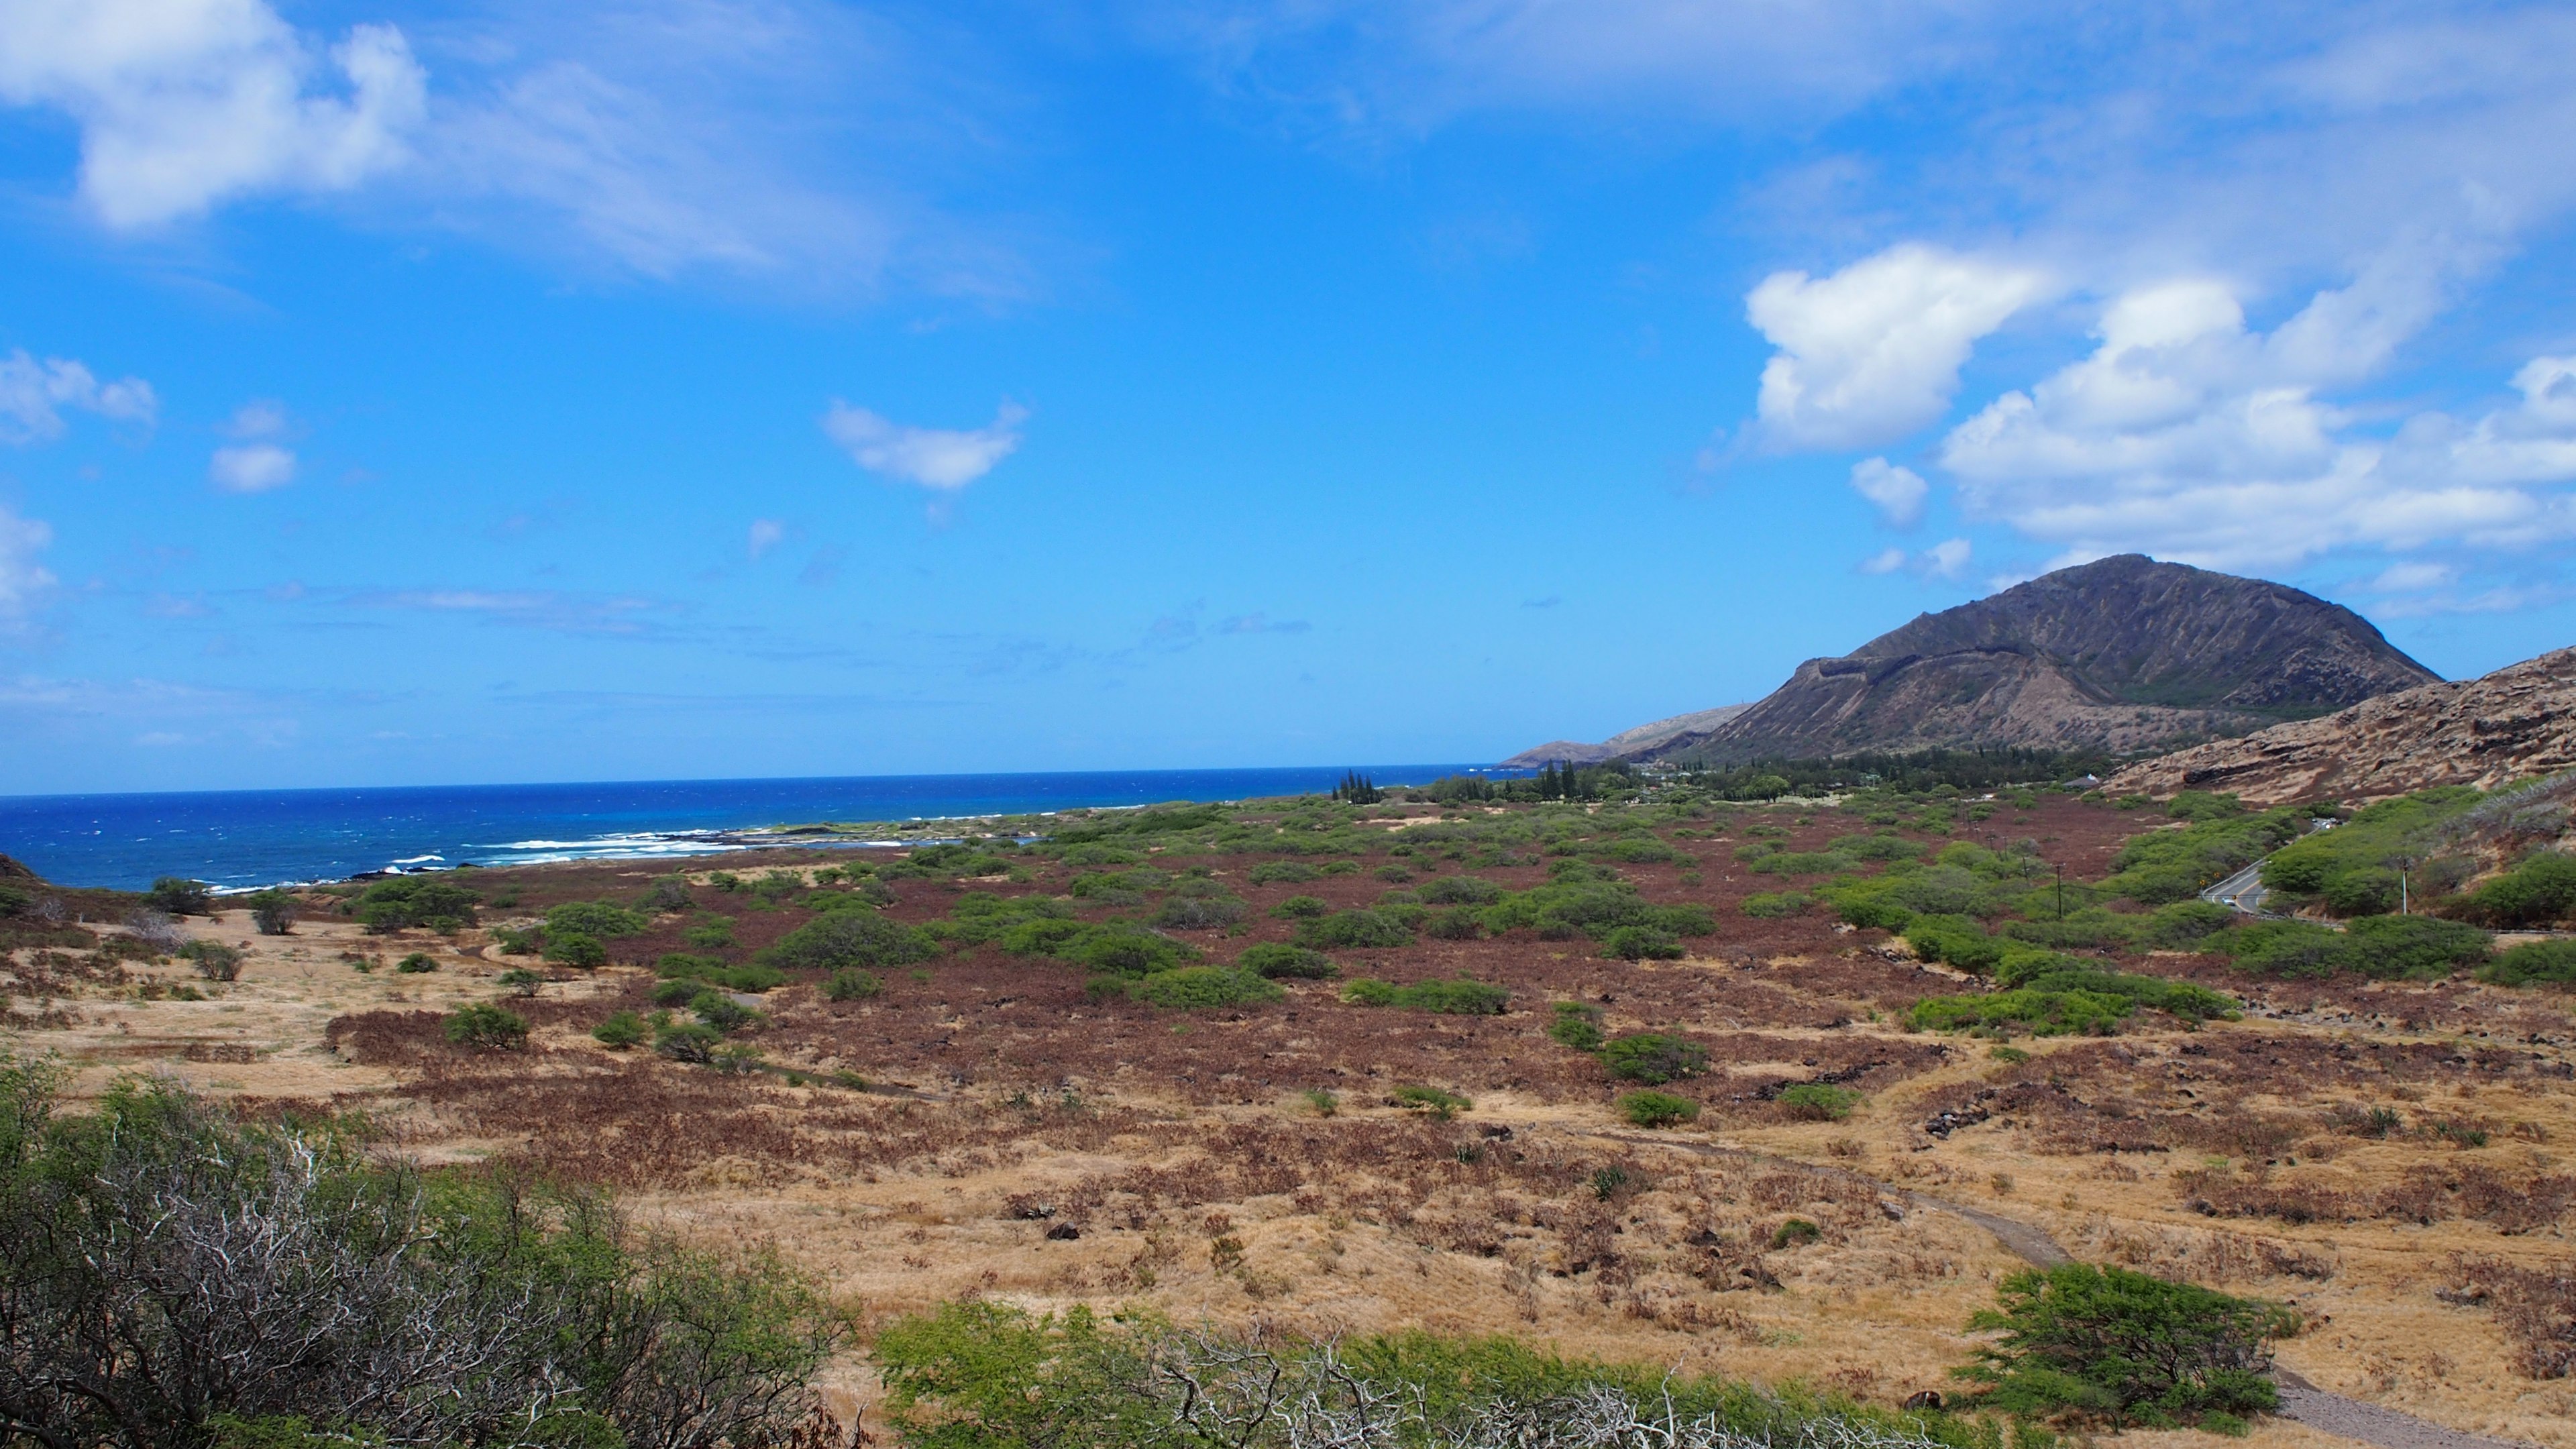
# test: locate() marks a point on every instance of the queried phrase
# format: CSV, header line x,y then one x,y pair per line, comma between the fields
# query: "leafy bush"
x,y
522,981
1199,913
710,935
1120,949
214,960
575,948
492,1028
417,963
2111,1345
2540,890
1657,1109
415,901
1794,1232
677,993
1275,872
1955,940
170,1264
716,1009
1352,930
1818,1101
2550,963
2162,866
2416,948
1653,1057
621,1030
597,919
1302,908
1577,1026
1203,986
178,896
1775,905
1463,923
850,938
852,984
2041,1013
1640,943
1461,890
1277,961
667,894
688,1041
757,976
272,912
1431,1101
1461,997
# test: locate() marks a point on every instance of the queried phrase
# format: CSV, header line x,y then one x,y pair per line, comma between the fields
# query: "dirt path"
x,y
2304,1402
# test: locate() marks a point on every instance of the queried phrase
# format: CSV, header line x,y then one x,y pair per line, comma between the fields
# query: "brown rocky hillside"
x,y
2123,654
2517,722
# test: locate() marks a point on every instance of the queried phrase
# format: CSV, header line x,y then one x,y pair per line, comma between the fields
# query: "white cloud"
x,y
1885,561
260,418
941,458
33,395
21,578
1946,558
2188,436
1898,492
1873,352
766,534
252,468
183,104
2412,578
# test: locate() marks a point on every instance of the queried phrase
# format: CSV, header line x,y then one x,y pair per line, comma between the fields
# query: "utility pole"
x,y
2061,892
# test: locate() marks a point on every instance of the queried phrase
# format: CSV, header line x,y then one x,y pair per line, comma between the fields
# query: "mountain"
x,y
1643,737
2516,722
2122,654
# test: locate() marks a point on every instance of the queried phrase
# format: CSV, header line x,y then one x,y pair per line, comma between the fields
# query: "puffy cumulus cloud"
x,y
183,104
21,578
1897,492
1943,560
766,534
34,394
2187,435
1873,351
945,459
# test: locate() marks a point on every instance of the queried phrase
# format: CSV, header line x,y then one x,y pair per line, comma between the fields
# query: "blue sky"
x,y
400,393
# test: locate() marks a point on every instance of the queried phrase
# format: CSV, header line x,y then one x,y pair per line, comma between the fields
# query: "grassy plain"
x,y
988,1122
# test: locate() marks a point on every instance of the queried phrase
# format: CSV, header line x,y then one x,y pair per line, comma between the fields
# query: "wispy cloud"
x,y
22,579
558,611
1896,492
1263,624
34,394
945,459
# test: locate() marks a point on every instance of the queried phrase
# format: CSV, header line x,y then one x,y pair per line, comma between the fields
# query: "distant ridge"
x,y
2121,654
2517,722
1643,737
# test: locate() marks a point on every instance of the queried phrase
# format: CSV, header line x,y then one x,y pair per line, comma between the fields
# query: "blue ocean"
x,y
244,838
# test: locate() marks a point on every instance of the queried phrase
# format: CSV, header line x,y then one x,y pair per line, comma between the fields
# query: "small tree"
x,y
1657,1109
213,959
2081,1342
487,1027
272,913
575,948
1653,1057
179,896
522,981
621,1030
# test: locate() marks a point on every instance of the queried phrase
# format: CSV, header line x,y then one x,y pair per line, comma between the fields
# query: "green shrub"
x,y
1302,908
1461,923
2418,948
575,948
1278,961
2040,1013
1352,930
2532,963
1775,905
2110,1345
1793,1233
716,1009
2540,890
1192,987
1461,890
621,1030
272,912
1640,943
1577,1026
678,992
1199,913
522,981
178,896
415,964
1653,1057
850,938
596,919
1818,1101
710,935
667,894
214,960
1657,1109
1431,1101
492,1028
688,1041
1121,949
1276,872
1954,939
1461,997
511,942
852,984
420,901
